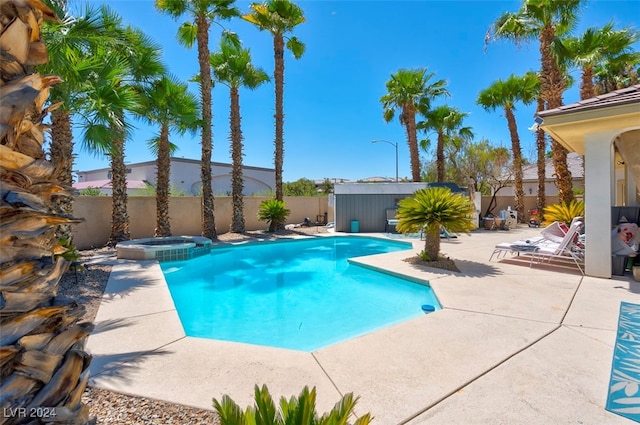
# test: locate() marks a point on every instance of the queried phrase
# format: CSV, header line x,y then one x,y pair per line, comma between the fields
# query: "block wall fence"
x,y
185,215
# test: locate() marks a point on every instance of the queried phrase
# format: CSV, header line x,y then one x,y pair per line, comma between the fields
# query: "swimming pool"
x,y
301,295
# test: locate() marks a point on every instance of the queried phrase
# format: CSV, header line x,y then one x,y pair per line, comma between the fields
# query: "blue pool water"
x,y
300,295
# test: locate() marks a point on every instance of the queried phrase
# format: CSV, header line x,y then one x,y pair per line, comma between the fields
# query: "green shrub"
x,y
299,410
273,212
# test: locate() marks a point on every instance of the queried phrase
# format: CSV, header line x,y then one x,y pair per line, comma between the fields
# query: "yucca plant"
x,y
273,212
299,410
563,212
430,210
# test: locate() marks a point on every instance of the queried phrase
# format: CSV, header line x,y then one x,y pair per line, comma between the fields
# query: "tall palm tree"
x,y
202,13
168,103
232,67
545,20
446,121
140,65
43,359
594,47
410,92
541,159
279,17
72,44
505,94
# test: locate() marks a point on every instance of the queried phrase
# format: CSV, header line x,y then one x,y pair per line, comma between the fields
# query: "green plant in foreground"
x,y
299,410
563,212
431,209
273,212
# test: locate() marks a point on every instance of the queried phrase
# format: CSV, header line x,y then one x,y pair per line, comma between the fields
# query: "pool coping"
x,y
499,319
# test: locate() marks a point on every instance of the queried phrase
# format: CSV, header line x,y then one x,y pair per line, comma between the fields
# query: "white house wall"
x,y
185,176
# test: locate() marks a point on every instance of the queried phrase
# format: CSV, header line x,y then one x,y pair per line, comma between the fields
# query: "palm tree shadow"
x,y
465,268
120,367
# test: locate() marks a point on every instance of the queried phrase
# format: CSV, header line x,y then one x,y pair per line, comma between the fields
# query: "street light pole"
x,y
395,144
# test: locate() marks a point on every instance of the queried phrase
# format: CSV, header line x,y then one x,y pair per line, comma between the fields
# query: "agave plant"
x,y
44,368
563,212
299,410
273,212
430,210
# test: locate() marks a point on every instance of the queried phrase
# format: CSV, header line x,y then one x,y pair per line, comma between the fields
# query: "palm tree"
x,y
505,94
72,44
617,73
594,47
232,67
168,103
43,359
430,210
202,13
541,159
139,65
410,92
545,20
279,17
446,121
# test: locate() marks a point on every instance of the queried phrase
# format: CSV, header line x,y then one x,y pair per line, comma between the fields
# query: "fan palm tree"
x,y
545,20
430,210
446,121
138,65
72,45
167,103
44,364
594,47
410,92
202,14
232,67
279,17
505,94
616,74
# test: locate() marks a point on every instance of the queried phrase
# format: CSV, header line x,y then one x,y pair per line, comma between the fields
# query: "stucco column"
x,y
599,197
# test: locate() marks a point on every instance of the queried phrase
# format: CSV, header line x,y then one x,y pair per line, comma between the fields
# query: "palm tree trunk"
x,y
553,84
409,119
61,152
541,145
278,76
432,243
208,214
44,364
119,214
517,161
587,90
237,184
163,225
440,157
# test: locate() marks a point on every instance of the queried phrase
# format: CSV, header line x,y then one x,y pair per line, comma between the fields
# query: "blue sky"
x,y
332,94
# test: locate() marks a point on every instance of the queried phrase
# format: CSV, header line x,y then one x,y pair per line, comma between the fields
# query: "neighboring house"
x,y
530,177
185,176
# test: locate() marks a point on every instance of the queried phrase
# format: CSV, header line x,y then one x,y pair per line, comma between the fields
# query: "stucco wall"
x,y
184,213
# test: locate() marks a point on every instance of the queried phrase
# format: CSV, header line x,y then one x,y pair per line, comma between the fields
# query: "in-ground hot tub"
x,y
169,248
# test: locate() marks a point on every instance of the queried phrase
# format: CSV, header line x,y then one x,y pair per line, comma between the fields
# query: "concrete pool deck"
x,y
512,345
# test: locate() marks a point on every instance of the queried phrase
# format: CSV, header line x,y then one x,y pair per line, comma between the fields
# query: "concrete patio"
x,y
512,345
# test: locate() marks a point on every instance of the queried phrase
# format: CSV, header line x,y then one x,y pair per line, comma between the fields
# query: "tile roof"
x,y
618,97
574,162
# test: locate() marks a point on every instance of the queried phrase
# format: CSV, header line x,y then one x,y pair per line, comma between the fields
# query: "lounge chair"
x,y
555,232
556,241
570,248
